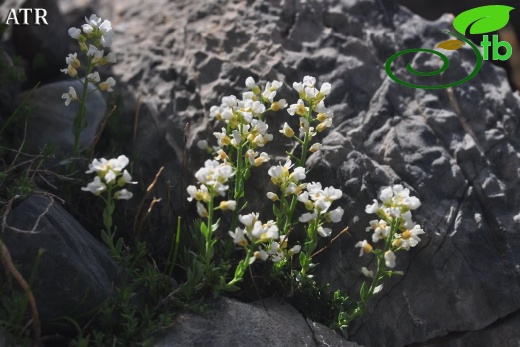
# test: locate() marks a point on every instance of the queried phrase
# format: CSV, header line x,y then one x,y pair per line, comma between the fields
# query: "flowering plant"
x,y
396,231
93,38
243,136
240,144
110,176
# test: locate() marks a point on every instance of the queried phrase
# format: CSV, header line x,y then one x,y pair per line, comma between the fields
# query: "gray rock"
x,y
43,46
457,149
232,323
50,122
75,273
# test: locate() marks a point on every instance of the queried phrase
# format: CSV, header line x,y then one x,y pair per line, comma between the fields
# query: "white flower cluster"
x,y
286,180
262,233
318,201
212,178
314,98
394,210
245,126
110,174
93,36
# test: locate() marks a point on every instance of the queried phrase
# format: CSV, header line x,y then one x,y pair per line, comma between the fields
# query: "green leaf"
x,y
483,19
105,237
203,228
363,291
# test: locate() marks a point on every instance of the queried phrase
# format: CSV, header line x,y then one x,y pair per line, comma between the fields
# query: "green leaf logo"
x,y
482,20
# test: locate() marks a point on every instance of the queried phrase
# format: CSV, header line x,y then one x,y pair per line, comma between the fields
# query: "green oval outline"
x,y
445,65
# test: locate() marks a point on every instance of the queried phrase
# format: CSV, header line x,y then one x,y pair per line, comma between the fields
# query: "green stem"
x,y
209,234
378,277
80,122
242,267
238,191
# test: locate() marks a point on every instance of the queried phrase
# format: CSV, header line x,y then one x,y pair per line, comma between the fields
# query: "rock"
x,y
44,46
50,122
3,338
232,323
75,273
456,149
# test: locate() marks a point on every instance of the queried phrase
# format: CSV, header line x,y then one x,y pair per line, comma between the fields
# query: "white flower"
x,y
108,84
304,197
336,214
390,259
307,217
249,219
110,176
111,58
198,194
95,187
364,246
74,33
98,56
332,193
264,232
372,208
123,194
72,60
126,178
386,194
250,82
298,86
310,93
97,165
262,158
315,147
309,81
298,108
298,174
410,238
93,20
70,96
272,196
119,164
91,50
261,254
287,130
325,88
106,29
228,205
367,272
278,105
201,210
239,237
381,229
296,249
93,77
324,232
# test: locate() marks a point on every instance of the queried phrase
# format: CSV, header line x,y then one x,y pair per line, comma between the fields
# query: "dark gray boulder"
x,y
75,272
50,122
232,323
457,149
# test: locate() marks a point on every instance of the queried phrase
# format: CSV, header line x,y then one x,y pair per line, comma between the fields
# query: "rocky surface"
x,y
49,112
75,273
457,149
232,323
